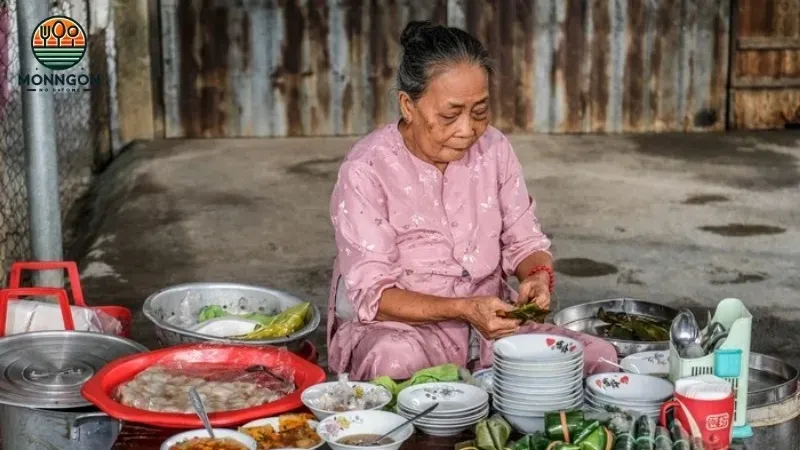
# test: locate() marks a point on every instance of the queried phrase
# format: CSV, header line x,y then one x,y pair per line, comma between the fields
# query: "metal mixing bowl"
x,y
583,318
186,301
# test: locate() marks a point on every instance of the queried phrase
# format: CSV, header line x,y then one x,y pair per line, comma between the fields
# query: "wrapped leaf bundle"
x,y
600,438
625,441
563,446
697,444
563,425
680,438
663,439
644,431
528,313
586,429
632,327
490,434
619,421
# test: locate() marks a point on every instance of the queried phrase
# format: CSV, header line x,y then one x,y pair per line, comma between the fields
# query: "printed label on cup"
x,y
716,422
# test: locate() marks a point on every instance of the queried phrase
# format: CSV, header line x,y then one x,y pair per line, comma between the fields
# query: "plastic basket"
x,y
730,361
123,315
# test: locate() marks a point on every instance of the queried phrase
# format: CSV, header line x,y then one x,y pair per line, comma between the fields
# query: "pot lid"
x,y
47,369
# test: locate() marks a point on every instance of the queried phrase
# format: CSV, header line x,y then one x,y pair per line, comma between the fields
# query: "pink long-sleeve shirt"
x,y
400,222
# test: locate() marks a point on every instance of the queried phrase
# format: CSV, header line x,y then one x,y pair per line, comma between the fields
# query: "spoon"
x,y
714,341
197,404
385,435
683,330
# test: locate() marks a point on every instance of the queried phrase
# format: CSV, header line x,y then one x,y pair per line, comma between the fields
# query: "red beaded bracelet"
x,y
550,274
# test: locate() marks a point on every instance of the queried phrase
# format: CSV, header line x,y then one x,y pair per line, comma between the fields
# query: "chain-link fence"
x,y
75,142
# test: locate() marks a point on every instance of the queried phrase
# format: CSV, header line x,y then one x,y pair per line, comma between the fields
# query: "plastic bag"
x,y
25,316
225,386
344,396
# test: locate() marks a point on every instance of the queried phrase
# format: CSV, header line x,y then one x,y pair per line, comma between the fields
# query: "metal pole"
x,y
41,159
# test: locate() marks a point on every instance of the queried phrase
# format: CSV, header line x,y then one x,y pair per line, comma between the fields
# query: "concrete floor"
x,y
686,220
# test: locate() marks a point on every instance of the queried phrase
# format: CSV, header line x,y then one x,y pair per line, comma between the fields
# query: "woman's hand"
x,y
536,289
481,312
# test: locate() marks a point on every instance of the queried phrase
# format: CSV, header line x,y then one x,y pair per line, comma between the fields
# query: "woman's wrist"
x,y
462,309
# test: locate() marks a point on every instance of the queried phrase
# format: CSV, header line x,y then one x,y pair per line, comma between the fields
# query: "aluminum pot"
x,y
583,318
40,390
43,429
174,310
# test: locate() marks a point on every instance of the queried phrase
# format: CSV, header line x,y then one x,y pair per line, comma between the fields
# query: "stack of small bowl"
x,y
628,391
460,406
535,374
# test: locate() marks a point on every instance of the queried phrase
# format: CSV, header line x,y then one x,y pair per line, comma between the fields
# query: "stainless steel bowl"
x,y
186,301
583,318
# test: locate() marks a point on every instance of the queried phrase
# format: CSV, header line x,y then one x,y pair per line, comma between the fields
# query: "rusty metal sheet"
x,y
766,67
314,67
605,65
248,68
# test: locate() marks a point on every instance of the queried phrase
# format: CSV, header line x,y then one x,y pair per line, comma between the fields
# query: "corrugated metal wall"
x,y
236,68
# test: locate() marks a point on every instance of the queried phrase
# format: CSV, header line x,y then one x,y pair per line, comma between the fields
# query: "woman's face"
x,y
449,117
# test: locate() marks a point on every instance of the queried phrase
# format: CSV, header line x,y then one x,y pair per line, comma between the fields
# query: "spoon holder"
x,y
730,360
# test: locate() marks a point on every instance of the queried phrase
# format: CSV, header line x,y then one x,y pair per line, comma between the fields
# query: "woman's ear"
x,y
406,107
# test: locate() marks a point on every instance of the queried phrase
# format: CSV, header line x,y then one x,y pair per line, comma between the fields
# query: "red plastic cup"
x,y
712,420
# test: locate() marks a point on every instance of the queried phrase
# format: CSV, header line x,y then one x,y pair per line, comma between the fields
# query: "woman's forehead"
x,y
459,86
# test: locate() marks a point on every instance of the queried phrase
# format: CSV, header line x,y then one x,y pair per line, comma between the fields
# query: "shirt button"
x,y
453,224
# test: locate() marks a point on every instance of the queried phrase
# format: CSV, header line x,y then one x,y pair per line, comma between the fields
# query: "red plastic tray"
x,y
100,388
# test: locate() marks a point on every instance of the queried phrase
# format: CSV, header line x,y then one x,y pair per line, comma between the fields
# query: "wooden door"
x,y
765,69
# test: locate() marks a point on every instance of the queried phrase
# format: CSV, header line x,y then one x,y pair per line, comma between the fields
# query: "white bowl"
x,y
654,363
221,433
448,431
439,421
525,424
334,428
601,406
275,423
501,378
576,359
529,373
603,400
544,405
226,327
629,387
541,398
310,395
485,379
513,389
537,347
452,397
539,368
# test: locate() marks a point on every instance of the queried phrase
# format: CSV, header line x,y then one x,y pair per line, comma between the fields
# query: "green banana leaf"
x,y
535,441
282,324
211,312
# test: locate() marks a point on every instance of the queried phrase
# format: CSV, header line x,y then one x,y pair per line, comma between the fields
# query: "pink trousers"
x,y
398,354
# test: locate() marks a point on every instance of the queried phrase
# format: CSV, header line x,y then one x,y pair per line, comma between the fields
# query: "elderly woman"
x,y
431,216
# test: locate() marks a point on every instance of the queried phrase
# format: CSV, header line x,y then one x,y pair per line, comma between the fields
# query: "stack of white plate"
x,y
628,391
535,374
460,407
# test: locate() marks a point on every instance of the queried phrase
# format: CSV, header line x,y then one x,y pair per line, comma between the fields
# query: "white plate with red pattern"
x,y
537,348
629,387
